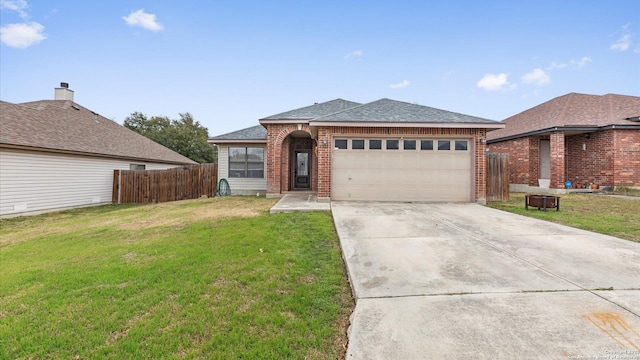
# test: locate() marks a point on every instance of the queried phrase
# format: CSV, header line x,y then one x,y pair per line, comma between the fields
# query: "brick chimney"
x,y
63,92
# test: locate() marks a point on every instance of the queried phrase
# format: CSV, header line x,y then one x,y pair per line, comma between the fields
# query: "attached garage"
x,y
424,169
385,150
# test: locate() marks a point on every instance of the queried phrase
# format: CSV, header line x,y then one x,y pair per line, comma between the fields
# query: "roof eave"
x,y
408,124
284,121
237,141
564,128
107,156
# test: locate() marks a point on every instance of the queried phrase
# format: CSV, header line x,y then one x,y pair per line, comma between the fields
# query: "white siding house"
x,y
241,186
253,179
55,154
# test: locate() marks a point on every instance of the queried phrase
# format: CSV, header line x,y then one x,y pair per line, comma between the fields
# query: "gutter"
x,y
107,156
565,128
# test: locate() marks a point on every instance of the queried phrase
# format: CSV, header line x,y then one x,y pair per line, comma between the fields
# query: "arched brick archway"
x,y
282,141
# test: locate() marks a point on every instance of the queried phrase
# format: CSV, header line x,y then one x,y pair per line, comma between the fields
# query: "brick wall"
x,y
626,145
518,150
590,160
557,160
608,158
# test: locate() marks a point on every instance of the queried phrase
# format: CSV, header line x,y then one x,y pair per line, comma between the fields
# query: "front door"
x,y
545,159
301,172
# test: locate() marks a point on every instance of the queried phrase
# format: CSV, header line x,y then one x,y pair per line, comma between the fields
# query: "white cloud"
x,y
582,62
400,85
493,82
622,44
143,20
22,35
554,66
15,5
537,77
625,41
354,54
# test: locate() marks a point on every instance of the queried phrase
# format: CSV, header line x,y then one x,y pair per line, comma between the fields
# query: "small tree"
x,y
184,136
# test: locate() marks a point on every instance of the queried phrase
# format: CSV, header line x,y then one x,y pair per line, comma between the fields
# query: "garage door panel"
x,y
399,175
400,193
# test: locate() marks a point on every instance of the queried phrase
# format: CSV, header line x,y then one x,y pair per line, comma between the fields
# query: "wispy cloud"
x,y
15,5
537,77
624,42
144,20
354,54
20,35
555,66
400,85
582,62
493,82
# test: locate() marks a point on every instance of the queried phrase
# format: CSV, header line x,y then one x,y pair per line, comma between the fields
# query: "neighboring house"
x,y
587,139
56,154
385,150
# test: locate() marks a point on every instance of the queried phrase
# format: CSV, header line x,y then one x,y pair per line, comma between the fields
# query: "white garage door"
x,y
420,169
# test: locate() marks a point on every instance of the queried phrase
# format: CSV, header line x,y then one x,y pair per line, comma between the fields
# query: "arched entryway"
x,y
299,165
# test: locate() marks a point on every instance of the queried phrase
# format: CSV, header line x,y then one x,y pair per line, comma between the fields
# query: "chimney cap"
x,y
64,85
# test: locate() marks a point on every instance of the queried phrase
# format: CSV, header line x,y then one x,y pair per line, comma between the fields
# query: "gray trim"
x,y
564,128
497,125
254,133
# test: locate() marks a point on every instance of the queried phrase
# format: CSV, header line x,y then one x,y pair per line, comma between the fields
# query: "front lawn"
x,y
212,279
599,213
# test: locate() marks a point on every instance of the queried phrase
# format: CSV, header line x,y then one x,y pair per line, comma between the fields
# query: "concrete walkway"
x,y
462,281
299,202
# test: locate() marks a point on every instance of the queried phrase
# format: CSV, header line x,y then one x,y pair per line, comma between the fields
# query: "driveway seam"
x,y
475,237
490,293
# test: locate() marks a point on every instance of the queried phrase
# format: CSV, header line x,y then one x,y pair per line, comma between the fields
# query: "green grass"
x,y
215,279
602,214
625,190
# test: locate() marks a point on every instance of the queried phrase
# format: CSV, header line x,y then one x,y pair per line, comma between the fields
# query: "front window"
x,y
246,162
136,166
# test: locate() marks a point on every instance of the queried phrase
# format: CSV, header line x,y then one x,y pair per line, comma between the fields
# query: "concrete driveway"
x,y
462,281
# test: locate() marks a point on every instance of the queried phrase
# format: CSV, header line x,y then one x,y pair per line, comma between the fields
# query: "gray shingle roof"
x,y
392,111
314,111
66,126
572,109
257,132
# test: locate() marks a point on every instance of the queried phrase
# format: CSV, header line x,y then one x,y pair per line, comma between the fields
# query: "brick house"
x,y
384,150
588,139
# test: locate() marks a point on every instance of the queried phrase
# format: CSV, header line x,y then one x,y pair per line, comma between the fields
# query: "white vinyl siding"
x,y
33,181
240,186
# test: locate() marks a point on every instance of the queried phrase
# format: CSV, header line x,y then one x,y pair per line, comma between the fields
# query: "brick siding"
x,y
607,158
626,145
277,148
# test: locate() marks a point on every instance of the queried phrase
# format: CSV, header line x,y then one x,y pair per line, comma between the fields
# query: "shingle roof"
x,y
387,110
314,111
61,125
257,132
572,110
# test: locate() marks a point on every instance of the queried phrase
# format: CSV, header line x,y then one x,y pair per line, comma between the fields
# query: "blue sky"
x,y
230,63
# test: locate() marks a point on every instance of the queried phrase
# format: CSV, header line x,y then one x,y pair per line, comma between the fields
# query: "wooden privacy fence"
x,y
497,177
155,186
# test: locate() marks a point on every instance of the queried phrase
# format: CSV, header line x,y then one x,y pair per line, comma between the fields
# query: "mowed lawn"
x,y
603,214
212,279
